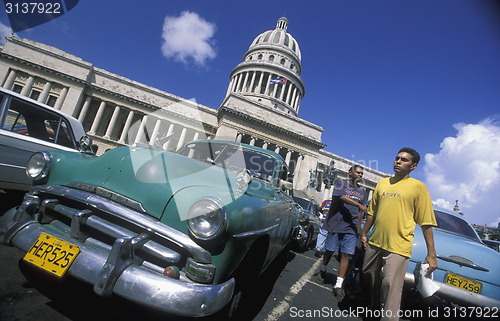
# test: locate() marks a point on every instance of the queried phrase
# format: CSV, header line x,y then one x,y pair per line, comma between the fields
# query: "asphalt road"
x,y
287,291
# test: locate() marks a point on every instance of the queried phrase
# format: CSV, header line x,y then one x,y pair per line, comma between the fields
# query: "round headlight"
x,y
38,166
207,218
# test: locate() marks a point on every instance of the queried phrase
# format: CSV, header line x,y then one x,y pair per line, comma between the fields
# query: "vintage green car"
x,y
178,232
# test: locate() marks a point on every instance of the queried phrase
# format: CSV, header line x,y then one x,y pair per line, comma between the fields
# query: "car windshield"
x,y
232,157
302,202
455,225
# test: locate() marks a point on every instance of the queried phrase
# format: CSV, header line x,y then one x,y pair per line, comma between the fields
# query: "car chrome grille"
x,y
102,223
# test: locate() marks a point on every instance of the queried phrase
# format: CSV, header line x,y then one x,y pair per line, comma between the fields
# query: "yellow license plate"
x,y
52,254
462,282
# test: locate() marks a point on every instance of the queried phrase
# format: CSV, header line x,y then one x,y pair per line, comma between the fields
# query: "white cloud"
x,y
467,169
5,31
188,38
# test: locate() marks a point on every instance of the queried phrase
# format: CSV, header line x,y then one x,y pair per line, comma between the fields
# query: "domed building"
x,y
261,106
270,71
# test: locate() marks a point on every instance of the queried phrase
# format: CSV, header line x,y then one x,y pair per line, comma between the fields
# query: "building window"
x,y
35,94
17,88
259,57
282,61
271,58
51,101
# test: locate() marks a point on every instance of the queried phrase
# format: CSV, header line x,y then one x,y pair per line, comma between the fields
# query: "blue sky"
x,y
379,74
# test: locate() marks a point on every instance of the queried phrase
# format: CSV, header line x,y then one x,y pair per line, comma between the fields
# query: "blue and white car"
x,y
468,272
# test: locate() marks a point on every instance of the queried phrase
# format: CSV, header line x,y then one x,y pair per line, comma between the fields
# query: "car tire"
x,y
303,244
245,277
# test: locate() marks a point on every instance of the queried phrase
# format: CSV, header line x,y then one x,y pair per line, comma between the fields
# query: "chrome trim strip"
x,y
13,166
462,263
106,193
256,233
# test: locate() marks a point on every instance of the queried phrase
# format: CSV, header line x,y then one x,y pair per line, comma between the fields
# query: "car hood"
x,y
147,176
459,254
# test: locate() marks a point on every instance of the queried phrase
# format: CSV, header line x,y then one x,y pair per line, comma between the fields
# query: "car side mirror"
x,y
86,145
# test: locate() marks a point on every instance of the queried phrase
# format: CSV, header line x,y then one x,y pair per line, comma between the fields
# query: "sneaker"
x,y
318,252
339,294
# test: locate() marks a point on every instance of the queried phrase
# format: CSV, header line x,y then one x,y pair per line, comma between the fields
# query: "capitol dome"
x,y
270,71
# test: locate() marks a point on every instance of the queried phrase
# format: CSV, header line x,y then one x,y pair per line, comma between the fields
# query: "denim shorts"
x,y
346,243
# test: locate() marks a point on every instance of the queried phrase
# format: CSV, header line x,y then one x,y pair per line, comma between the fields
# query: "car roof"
x,y
76,125
449,212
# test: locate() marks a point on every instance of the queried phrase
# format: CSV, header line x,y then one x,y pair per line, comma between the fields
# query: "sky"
x,y
379,74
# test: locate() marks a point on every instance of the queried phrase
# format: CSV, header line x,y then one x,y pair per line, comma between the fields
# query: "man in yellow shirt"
x,y
397,205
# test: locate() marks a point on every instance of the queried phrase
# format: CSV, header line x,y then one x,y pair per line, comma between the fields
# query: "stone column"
x,y
240,76
275,89
61,98
259,85
245,82
182,138
287,99
229,88
27,87
156,129
288,157
85,109
297,102
195,137
112,123
45,93
126,128
97,118
140,131
283,87
252,82
10,79
296,172
293,97
170,131
268,84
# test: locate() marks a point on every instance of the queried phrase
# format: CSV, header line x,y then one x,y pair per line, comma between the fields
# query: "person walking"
x,y
343,225
398,204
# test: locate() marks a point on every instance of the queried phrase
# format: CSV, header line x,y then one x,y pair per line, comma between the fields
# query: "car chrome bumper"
x,y
454,294
128,280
